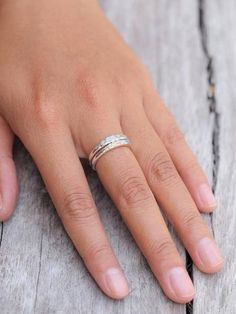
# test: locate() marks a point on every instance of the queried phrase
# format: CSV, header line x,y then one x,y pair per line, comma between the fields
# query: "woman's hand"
x,y
67,81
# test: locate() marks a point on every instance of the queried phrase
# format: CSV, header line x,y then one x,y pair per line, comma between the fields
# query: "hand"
x,y
67,81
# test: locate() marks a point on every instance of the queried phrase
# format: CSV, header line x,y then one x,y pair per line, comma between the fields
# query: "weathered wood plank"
x,y
40,270
217,294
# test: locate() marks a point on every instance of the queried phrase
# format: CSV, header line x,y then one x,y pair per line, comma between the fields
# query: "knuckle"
x,y
90,90
162,249
97,252
78,206
161,168
173,135
191,219
133,190
192,165
44,114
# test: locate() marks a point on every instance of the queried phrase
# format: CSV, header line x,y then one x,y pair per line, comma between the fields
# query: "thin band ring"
x,y
109,143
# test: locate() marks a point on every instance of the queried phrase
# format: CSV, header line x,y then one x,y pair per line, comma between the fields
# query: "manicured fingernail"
x,y
209,253
180,283
117,282
206,196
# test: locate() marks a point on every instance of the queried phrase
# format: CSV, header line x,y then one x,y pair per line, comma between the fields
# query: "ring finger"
x,y
172,194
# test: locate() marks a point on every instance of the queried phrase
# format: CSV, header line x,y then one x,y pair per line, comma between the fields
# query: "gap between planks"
x,y
213,110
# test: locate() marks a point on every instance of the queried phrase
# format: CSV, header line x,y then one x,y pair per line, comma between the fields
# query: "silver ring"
x,y
109,143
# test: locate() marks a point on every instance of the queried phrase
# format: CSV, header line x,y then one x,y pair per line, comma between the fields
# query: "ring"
x,y
109,143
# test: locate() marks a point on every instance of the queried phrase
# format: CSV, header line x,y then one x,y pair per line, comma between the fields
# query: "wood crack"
x,y
1,234
189,267
213,111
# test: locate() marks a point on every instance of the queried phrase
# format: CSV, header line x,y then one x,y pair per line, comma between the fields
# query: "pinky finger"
x,y
8,177
181,154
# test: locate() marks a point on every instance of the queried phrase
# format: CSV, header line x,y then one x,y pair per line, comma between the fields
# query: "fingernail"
x,y
206,196
180,283
117,282
209,253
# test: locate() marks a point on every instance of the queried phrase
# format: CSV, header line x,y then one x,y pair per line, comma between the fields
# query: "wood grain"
x,y
217,294
40,271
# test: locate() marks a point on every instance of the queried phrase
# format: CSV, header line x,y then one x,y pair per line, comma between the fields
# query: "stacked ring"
x,y
109,143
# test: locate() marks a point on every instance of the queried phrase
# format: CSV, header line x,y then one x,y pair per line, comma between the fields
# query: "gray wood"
x,y
217,294
40,271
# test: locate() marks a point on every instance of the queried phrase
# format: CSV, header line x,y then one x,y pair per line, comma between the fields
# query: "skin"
x,y
67,81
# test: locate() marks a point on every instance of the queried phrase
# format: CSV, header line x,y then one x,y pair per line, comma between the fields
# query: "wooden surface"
x,y
189,47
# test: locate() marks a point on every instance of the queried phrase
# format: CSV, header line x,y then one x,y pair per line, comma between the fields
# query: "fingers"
x,y
182,156
57,160
124,180
8,177
172,194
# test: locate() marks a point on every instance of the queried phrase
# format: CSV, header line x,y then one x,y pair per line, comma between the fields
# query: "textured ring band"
x,y
107,144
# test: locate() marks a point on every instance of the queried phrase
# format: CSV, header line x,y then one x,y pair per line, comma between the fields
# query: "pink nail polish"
x,y
209,253
117,282
206,196
181,283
